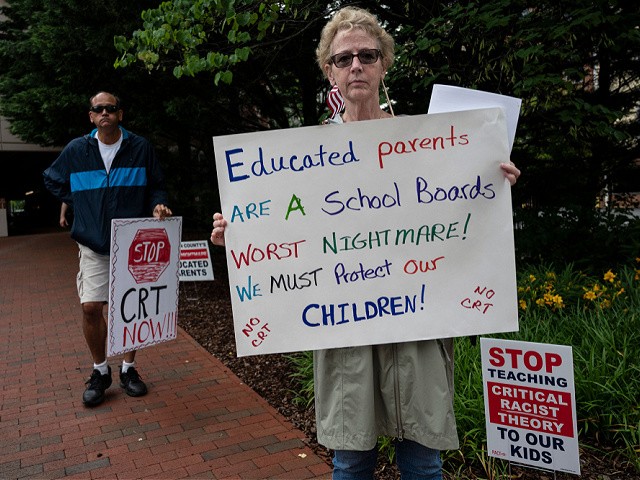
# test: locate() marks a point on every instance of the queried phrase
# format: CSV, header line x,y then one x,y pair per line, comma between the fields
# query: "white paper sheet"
x,y
446,98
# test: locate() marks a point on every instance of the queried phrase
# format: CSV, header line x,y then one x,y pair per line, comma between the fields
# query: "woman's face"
x,y
358,83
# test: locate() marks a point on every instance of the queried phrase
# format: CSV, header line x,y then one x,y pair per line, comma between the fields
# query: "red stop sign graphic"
x,y
149,254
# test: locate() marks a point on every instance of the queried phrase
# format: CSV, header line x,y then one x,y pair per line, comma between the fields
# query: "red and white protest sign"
x,y
143,283
530,404
195,261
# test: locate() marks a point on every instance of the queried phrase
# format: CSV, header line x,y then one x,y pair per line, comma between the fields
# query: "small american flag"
x,y
335,102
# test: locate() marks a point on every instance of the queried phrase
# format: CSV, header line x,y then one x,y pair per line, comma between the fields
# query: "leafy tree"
x,y
53,56
577,68
266,48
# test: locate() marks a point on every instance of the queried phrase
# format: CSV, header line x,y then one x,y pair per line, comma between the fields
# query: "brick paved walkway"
x,y
197,421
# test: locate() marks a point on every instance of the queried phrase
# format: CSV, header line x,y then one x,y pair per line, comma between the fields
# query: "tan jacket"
x,y
402,390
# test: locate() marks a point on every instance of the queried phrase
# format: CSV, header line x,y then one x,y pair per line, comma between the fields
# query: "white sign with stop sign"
x,y
143,283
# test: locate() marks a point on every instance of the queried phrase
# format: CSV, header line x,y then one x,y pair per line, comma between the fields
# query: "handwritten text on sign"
x,y
369,232
530,404
143,283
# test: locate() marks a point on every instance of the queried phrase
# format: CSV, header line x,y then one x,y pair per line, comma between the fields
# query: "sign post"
x,y
195,261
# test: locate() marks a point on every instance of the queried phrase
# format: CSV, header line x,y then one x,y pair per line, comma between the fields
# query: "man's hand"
x,y
161,211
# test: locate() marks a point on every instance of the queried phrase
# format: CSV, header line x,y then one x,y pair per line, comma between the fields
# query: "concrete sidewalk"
x,y
197,421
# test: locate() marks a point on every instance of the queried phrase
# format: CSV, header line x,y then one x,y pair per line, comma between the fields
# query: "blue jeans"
x,y
415,462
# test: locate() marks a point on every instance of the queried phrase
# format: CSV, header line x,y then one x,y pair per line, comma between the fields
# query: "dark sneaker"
x,y
96,385
130,381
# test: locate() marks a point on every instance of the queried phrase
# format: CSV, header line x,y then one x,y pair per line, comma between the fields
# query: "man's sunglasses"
x,y
108,108
366,57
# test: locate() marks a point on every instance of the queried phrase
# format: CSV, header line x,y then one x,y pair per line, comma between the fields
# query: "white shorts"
x,y
93,277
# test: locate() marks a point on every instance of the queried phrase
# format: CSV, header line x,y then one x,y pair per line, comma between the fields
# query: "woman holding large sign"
x,y
402,390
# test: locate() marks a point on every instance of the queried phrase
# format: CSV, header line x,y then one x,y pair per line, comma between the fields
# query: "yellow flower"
x,y
609,276
532,278
590,295
523,305
557,299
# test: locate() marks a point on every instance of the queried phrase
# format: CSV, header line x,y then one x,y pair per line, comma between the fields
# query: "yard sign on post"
x,y
369,232
195,261
530,404
143,283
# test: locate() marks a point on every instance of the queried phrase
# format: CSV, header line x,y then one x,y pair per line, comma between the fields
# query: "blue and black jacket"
x,y
131,189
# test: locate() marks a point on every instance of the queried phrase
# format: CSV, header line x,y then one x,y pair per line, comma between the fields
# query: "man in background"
x,y
109,173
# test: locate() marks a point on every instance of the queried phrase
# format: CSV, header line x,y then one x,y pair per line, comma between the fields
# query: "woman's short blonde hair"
x,y
354,17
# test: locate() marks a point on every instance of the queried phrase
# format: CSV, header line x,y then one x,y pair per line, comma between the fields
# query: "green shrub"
x,y
604,333
303,375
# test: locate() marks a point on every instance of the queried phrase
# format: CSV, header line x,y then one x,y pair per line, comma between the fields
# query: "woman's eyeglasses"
x,y
108,108
366,57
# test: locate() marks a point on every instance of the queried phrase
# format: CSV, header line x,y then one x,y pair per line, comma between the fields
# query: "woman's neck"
x,y
355,113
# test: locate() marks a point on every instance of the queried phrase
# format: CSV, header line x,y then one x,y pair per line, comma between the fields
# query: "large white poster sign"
x,y
530,405
370,232
143,283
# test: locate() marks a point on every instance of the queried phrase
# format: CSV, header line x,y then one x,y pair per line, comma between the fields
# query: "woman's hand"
x,y
219,226
510,172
